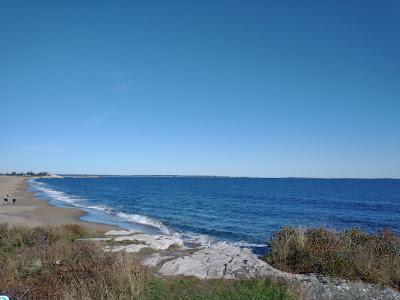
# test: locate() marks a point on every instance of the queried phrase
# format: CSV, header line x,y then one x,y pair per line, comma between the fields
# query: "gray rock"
x,y
312,287
223,260
96,239
230,262
122,232
155,259
217,261
158,242
132,248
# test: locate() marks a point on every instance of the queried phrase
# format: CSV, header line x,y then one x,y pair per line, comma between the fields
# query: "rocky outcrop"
x,y
97,239
226,261
318,287
122,232
127,248
158,242
230,262
139,241
155,259
217,261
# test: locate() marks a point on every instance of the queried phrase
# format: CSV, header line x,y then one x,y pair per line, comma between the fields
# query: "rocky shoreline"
x,y
168,256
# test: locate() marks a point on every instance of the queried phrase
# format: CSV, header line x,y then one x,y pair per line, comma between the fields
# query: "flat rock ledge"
x,y
139,241
122,232
226,261
230,262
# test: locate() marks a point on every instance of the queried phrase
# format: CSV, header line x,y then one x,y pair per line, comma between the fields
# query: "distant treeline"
x,y
30,173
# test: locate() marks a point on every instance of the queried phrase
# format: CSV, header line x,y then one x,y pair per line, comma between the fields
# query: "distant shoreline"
x,y
59,175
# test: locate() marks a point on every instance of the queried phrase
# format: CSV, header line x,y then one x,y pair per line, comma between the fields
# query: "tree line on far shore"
x,y
30,173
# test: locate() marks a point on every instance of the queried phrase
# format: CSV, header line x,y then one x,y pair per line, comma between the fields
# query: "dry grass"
x,y
50,263
351,254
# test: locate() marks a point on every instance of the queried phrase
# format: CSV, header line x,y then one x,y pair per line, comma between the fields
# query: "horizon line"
x,y
218,176
200,175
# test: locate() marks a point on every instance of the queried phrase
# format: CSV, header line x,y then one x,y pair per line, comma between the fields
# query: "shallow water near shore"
x,y
244,211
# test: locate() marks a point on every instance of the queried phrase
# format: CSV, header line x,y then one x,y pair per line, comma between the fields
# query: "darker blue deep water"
x,y
245,210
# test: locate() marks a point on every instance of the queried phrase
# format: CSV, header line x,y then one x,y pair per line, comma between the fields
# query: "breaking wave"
x,y
76,201
44,191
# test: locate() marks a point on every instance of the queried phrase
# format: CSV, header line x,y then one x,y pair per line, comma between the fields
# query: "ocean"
x,y
243,211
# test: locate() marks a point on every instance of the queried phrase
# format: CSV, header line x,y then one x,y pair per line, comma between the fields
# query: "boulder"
x,y
217,261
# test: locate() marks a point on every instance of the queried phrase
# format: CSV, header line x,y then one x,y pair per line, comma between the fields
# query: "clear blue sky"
x,y
240,88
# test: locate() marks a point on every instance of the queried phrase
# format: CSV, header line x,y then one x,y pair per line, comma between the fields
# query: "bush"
x,y
351,254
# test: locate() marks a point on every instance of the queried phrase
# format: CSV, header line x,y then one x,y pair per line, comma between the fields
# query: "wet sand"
x,y
32,212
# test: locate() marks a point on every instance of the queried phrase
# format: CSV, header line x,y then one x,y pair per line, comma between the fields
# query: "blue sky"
x,y
239,88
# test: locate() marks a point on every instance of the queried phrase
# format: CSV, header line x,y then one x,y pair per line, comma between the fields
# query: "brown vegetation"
x,y
51,263
351,254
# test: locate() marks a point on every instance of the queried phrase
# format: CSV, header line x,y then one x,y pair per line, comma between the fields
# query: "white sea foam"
x,y
132,218
207,240
53,194
196,238
135,218
201,239
248,245
76,201
100,208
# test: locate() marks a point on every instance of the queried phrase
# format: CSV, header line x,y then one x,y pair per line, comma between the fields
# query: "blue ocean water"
x,y
239,210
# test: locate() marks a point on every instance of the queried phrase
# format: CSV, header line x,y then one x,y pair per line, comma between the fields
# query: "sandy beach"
x,y
30,211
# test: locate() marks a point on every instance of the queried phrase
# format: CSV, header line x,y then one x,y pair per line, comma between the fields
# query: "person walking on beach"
x,y
6,200
14,201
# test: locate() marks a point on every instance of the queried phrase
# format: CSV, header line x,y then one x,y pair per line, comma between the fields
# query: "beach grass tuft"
x,y
351,254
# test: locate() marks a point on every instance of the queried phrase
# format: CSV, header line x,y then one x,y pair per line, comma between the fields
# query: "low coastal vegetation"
x,y
53,263
60,263
350,254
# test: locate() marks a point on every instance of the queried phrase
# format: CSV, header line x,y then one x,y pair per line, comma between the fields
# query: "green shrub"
x,y
351,254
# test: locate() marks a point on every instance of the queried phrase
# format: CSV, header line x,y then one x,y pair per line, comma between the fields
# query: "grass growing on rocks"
x,y
52,263
351,254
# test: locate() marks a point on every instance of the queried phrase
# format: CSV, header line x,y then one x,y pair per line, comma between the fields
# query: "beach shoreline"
x,y
32,212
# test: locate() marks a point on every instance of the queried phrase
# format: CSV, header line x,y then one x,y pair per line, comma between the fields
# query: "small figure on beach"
x,y
14,201
6,200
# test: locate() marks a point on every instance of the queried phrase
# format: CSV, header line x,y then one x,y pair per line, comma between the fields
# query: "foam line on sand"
x,y
33,212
